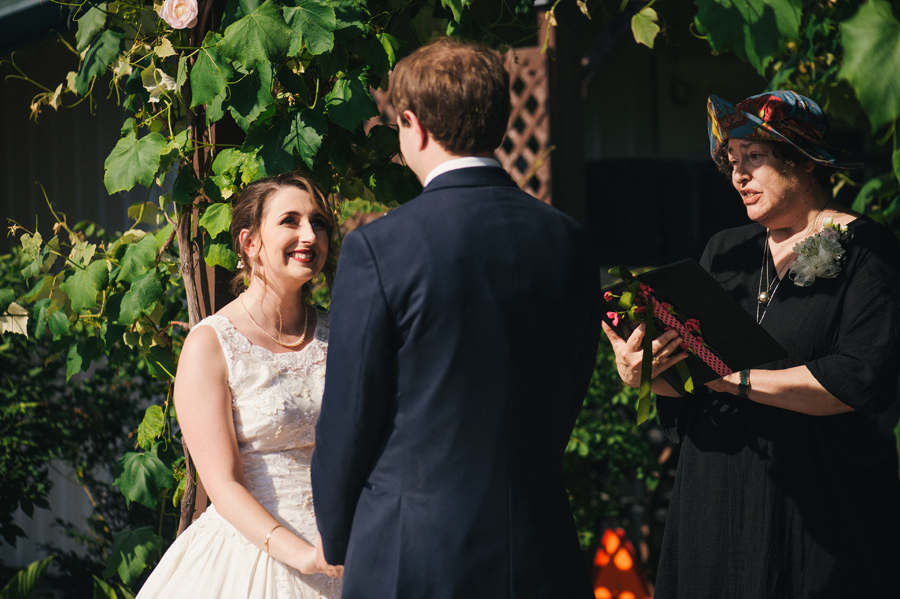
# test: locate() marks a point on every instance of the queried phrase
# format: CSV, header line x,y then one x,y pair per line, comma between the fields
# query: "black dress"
x,y
770,503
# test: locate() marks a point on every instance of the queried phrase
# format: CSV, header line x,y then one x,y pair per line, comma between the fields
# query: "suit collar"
x,y
458,163
479,176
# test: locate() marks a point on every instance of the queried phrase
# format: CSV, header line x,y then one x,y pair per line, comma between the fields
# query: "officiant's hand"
x,y
324,566
630,354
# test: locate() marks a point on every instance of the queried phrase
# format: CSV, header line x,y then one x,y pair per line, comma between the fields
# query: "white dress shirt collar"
x,y
458,163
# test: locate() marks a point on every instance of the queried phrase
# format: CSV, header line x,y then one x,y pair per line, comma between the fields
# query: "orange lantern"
x,y
618,574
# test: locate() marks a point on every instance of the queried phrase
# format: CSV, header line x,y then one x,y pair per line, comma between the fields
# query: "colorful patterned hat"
x,y
783,116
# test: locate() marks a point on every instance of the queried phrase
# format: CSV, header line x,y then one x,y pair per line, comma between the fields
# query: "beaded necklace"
x,y
264,332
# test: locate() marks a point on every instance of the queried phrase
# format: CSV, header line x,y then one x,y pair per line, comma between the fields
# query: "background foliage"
x,y
261,87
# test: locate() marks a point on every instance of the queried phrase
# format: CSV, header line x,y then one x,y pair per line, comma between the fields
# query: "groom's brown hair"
x,y
458,90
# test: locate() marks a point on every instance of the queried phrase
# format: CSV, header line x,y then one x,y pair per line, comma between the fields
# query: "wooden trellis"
x,y
525,152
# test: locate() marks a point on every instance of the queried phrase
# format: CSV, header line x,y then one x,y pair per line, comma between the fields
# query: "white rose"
x,y
179,14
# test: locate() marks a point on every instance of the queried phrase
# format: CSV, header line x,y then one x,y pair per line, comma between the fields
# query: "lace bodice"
x,y
276,398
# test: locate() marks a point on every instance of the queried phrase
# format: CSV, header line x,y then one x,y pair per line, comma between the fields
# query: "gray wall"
x,y
64,150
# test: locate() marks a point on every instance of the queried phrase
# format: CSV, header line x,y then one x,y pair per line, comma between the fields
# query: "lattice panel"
x,y
525,151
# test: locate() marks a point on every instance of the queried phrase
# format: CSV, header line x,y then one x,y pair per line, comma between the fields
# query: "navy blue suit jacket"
x,y
463,336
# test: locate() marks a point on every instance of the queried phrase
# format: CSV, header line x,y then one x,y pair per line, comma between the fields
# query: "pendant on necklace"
x,y
763,297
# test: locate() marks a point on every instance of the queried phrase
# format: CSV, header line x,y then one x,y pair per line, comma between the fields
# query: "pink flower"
x,y
692,324
179,14
607,295
614,316
640,309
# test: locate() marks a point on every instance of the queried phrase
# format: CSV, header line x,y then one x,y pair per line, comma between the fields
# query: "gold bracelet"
x,y
266,542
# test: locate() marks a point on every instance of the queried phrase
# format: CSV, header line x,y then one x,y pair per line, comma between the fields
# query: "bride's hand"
x,y
324,566
306,562
630,354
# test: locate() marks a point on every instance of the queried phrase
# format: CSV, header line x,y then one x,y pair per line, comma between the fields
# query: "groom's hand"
x,y
324,566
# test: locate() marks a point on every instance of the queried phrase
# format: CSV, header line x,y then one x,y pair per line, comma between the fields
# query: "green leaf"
x,y
25,582
108,591
181,74
179,493
394,183
260,36
133,161
147,213
186,186
84,285
89,25
82,253
871,40
383,141
31,244
102,53
220,254
382,53
251,95
40,290
308,129
292,82
456,7
139,258
275,146
349,103
216,219
81,354
314,22
351,18
423,24
644,26
40,316
142,477
895,163
7,296
132,552
59,324
754,30
140,299
215,110
234,11
151,426
329,65
160,363
392,47
210,74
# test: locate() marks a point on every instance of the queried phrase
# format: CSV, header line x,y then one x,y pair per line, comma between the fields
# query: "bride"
x,y
248,393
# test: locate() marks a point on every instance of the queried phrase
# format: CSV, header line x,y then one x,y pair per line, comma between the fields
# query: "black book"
x,y
725,327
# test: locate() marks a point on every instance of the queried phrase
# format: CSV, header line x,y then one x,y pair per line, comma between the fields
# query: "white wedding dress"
x,y
276,400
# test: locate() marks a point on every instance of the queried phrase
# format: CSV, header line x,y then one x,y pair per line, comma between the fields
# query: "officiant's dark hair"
x,y
250,207
458,90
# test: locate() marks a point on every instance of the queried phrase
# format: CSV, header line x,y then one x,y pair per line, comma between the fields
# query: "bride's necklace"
x,y
764,296
264,332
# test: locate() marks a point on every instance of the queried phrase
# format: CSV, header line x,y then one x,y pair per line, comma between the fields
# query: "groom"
x,y
464,332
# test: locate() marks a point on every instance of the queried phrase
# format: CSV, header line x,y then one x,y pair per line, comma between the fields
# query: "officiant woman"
x,y
787,483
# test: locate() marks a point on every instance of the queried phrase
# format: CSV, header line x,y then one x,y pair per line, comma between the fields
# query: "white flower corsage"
x,y
819,255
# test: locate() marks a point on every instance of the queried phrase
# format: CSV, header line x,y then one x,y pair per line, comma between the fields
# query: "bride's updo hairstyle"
x,y
248,211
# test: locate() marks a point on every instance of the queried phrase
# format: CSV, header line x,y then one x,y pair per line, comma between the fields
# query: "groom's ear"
x,y
420,133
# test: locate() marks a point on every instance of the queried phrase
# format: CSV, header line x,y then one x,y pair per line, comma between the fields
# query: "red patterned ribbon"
x,y
661,311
